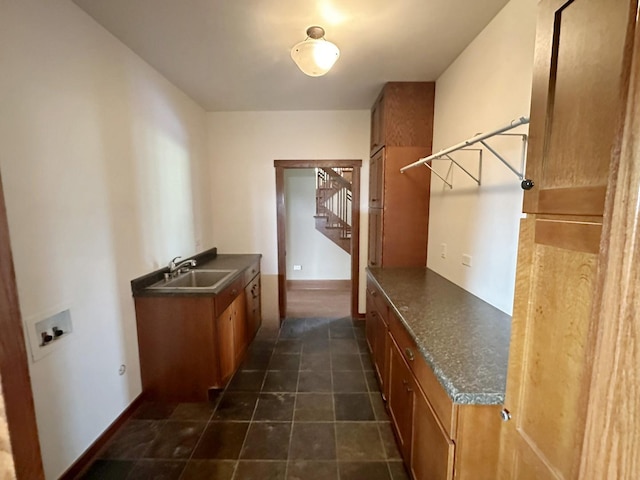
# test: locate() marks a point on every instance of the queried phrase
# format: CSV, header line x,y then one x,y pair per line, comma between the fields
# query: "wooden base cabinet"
x,y
376,328
438,440
254,313
432,449
189,345
232,337
401,398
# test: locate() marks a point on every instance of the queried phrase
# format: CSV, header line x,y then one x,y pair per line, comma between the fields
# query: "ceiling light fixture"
x,y
315,55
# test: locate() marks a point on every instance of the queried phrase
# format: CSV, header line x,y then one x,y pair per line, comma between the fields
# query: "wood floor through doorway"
x,y
333,302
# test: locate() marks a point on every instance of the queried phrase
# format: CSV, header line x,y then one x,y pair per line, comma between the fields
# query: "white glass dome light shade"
x,y
315,56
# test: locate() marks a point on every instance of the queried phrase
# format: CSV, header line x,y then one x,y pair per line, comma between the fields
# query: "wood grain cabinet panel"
x,y
400,399
226,344
376,180
576,103
253,307
402,130
433,451
375,237
376,332
581,73
548,366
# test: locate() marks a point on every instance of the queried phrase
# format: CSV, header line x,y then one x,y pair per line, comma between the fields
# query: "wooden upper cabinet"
x,y
377,138
401,133
402,116
576,103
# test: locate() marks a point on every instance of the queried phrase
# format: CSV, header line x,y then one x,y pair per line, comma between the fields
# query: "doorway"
x,y
335,203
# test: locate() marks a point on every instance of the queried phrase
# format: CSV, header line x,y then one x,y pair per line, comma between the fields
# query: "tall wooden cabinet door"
x,y
377,124
376,180
375,237
432,450
548,370
575,103
406,208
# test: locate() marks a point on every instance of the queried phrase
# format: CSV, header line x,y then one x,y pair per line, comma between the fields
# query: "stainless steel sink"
x,y
196,279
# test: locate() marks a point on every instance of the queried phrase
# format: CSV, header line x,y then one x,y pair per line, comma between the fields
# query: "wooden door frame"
x,y
14,370
280,166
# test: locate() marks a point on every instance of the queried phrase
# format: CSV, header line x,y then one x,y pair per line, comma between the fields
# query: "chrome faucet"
x,y
176,268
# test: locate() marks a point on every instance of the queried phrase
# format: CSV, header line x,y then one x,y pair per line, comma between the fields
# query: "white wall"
x,y
243,146
104,168
319,257
487,86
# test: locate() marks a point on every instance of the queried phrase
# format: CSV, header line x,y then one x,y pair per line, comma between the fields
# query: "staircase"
x,y
333,205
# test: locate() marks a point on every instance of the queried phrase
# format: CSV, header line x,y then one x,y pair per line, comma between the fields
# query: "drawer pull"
x,y
409,354
234,292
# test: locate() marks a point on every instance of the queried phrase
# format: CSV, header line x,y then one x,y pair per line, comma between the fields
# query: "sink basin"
x,y
196,279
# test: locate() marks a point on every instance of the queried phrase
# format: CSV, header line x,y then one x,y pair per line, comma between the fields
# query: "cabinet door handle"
x,y
373,263
527,184
409,354
505,415
234,292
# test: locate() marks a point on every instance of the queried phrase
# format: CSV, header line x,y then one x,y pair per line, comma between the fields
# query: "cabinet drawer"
x,y
224,298
438,398
251,272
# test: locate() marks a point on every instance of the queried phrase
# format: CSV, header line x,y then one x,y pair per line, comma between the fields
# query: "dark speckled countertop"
x,y
462,338
209,259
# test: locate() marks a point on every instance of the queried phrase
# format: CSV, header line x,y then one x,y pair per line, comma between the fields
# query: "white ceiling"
x,y
234,54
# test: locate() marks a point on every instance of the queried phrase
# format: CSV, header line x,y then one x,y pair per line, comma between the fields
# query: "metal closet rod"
x,y
467,143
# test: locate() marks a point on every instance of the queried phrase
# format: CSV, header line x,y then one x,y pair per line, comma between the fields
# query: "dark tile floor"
x,y
304,405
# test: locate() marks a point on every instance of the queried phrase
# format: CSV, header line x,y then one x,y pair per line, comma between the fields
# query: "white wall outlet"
x,y
297,267
443,250
466,259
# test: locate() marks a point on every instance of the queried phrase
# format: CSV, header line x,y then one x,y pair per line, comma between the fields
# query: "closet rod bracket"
x,y
481,138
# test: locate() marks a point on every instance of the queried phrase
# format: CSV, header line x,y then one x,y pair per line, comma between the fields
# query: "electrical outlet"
x,y
443,250
466,259
297,267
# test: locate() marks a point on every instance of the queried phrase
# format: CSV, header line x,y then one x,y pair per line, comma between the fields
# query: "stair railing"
x,y
336,207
